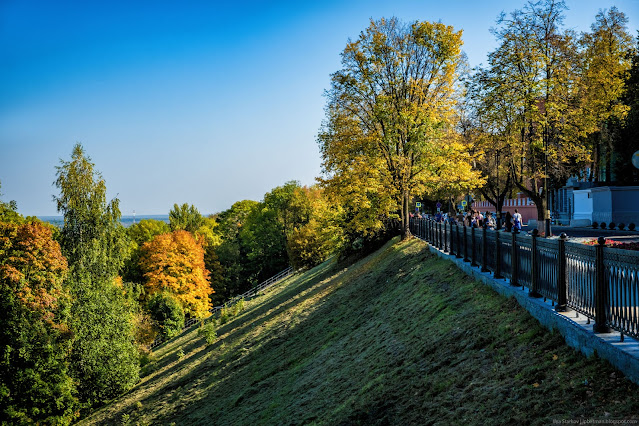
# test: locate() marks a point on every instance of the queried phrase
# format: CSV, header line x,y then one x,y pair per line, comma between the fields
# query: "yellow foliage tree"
x,y
388,133
174,263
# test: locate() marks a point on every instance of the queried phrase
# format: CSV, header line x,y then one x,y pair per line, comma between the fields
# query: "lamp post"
x,y
548,231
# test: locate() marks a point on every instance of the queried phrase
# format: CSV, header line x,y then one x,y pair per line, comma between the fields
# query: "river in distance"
x,y
125,220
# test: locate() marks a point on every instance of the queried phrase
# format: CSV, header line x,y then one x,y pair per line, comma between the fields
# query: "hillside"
x,y
400,337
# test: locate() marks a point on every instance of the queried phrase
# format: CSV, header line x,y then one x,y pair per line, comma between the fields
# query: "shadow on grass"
x,y
403,339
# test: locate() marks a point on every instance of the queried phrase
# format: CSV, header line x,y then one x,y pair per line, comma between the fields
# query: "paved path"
x,y
584,234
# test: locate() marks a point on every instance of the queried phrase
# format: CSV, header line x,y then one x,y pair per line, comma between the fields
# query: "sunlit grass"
x,y
399,337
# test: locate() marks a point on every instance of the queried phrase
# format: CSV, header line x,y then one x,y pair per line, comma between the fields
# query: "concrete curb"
x,y
576,330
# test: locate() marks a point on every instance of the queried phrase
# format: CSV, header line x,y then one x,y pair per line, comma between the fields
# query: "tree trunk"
x,y
405,216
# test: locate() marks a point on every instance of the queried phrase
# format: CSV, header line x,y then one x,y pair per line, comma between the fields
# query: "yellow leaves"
x,y
174,263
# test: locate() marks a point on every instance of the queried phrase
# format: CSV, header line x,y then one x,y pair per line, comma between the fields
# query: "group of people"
x,y
475,219
512,222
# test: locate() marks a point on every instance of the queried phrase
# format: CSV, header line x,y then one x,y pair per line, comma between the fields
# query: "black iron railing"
x,y
598,282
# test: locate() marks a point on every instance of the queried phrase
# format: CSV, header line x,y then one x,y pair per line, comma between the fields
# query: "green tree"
x,y
147,229
230,253
104,358
9,211
167,313
397,91
35,385
606,61
629,142
267,227
185,217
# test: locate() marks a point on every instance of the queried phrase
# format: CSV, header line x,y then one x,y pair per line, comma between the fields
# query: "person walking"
x,y
517,221
508,221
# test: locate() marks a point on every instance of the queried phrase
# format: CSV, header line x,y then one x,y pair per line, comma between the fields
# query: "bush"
x,y
595,225
611,225
167,313
224,315
602,225
631,227
622,226
208,331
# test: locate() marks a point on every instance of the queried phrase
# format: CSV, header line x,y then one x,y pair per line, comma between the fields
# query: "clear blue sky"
x,y
205,102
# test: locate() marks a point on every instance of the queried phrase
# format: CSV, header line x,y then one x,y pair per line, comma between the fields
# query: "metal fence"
x,y
599,282
229,303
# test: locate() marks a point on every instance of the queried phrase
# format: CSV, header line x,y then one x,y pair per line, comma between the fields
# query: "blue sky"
x,y
205,103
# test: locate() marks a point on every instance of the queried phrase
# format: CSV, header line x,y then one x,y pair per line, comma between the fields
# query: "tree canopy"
x,y
390,113
174,263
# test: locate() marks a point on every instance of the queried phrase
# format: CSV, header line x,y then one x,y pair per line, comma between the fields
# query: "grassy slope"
x,y
400,337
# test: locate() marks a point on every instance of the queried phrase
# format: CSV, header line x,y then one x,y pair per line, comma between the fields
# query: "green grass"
x,y
400,337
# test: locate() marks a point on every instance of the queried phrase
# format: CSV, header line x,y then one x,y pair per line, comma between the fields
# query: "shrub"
x,y
602,225
595,225
208,331
622,226
224,315
611,225
167,313
631,227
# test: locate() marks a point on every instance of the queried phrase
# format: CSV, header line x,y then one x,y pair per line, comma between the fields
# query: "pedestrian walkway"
x,y
577,330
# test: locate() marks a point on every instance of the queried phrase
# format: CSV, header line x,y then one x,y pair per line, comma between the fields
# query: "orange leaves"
x,y
32,265
174,263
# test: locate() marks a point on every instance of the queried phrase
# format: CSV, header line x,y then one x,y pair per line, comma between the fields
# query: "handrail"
x,y
598,282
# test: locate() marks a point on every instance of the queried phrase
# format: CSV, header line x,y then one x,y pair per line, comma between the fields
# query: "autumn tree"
x,y
396,92
140,233
488,124
535,68
35,384
174,263
104,357
606,61
312,241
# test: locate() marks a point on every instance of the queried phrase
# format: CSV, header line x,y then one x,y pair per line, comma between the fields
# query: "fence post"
x,y
445,238
466,259
473,257
458,255
534,270
452,244
601,290
484,248
562,297
497,255
514,274
432,232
